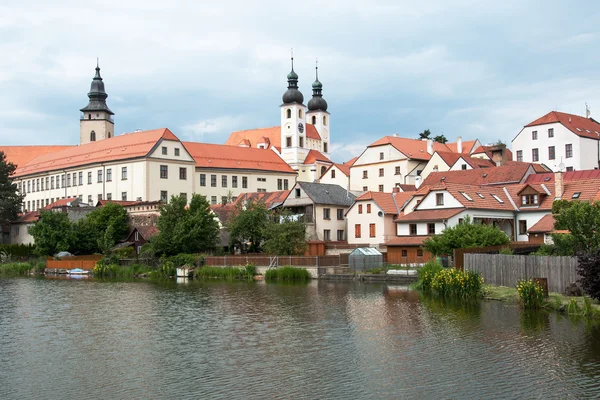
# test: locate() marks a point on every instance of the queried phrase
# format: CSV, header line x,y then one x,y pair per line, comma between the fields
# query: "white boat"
x,y
78,271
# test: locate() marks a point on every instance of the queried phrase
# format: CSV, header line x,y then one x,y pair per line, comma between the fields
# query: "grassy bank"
x,y
21,268
226,273
133,271
579,306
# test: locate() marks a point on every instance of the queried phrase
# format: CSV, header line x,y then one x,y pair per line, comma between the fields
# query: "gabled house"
x,y
139,236
563,142
338,174
322,206
442,161
371,217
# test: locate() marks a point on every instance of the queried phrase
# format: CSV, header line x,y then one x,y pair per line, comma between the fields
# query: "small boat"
x,y
78,271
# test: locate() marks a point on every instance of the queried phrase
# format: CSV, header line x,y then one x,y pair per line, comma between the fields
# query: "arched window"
x,y
288,113
299,113
324,119
323,169
314,120
92,136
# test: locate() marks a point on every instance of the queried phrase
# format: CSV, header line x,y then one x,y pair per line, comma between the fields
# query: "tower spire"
x,y
292,95
97,94
317,102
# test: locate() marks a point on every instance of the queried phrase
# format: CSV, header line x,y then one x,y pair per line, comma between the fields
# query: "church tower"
x,y
317,114
293,123
96,121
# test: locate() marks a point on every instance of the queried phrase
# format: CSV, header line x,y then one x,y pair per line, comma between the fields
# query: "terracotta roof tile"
x,y
390,203
544,225
126,146
479,197
511,172
270,199
581,126
412,148
147,231
21,155
429,215
407,188
60,203
253,137
467,146
233,157
567,176
406,241
28,217
314,155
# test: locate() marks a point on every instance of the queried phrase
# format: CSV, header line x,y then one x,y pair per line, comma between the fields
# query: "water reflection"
x,y
114,339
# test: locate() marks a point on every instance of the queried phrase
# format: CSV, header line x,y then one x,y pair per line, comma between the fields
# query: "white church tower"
x,y
318,116
96,121
293,123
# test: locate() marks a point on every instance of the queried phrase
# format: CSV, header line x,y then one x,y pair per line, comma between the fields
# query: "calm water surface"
x,y
85,339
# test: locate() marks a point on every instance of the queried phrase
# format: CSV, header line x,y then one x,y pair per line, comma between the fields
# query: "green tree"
x,y
185,230
581,219
111,214
248,224
464,235
425,134
10,199
52,233
285,236
440,139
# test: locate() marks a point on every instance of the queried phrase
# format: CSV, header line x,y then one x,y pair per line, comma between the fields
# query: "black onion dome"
x,y
97,95
317,102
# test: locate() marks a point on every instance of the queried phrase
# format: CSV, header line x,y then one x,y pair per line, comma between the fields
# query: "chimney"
x,y
459,144
498,154
396,189
430,146
558,185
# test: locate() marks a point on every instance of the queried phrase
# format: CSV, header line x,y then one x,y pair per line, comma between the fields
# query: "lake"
x,y
89,339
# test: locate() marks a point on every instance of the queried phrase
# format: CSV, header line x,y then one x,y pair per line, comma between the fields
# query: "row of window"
x,y
381,172
65,180
358,231
412,229
327,234
34,205
288,143
327,213
535,153
313,119
534,134
164,172
165,151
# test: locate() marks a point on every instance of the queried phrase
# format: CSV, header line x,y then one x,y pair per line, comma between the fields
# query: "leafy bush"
x,y
105,270
455,283
125,252
185,259
250,269
376,271
531,294
18,250
426,274
589,269
506,251
289,274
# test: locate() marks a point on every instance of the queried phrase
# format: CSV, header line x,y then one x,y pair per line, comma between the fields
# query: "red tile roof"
x,y
544,225
123,203
314,155
21,155
567,176
510,172
28,218
60,203
253,137
127,146
467,146
406,241
233,157
581,126
270,199
407,188
412,148
429,215
147,231
390,203
481,197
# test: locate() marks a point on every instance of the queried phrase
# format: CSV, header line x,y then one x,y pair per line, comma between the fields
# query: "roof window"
x,y
579,129
466,196
576,195
546,179
498,199
480,195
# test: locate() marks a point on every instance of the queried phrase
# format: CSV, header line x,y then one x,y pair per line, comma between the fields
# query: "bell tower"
x,y
96,121
294,146
317,114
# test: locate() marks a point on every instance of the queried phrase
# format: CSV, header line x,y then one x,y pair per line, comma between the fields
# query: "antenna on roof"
x,y
587,110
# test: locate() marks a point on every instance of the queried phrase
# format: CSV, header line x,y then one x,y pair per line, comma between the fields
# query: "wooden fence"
x,y
83,262
506,270
265,261
516,247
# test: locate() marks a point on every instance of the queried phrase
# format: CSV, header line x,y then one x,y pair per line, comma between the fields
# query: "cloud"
x,y
215,130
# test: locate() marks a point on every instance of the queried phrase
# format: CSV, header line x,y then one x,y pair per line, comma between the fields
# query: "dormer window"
x,y
529,199
576,195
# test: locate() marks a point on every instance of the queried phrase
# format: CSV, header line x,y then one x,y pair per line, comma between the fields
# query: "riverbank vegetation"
x,y
581,306
21,268
449,282
287,274
226,273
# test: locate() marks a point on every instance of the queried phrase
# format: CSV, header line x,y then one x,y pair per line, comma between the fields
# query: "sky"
x,y
475,69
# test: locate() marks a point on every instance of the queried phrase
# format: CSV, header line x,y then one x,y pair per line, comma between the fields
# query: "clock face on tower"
x,y
301,127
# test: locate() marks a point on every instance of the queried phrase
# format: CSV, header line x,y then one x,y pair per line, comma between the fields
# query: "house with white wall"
x,y
371,217
561,141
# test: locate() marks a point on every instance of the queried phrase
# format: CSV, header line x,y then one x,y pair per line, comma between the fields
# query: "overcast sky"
x,y
476,69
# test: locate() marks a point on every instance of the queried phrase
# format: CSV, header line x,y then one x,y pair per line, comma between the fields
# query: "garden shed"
x,y
365,258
